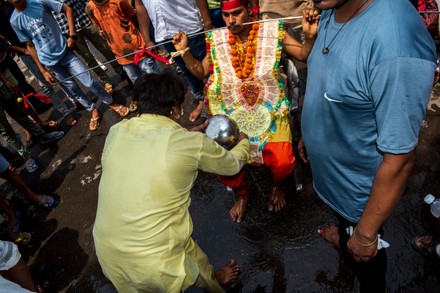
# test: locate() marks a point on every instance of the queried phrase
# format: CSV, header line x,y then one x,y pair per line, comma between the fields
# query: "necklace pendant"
x,y
325,50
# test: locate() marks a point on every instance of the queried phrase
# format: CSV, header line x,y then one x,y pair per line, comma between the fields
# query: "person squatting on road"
x,y
242,64
143,227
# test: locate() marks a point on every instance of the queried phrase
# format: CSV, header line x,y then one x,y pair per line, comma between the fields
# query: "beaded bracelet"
x,y
363,244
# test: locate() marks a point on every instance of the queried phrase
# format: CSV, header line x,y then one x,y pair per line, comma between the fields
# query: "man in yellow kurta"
x,y
143,228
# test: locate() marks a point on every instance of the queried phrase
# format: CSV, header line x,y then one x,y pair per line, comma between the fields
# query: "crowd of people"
x,y
359,111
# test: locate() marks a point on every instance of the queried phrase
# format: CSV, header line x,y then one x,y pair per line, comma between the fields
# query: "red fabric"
x,y
277,156
42,98
138,57
233,4
430,19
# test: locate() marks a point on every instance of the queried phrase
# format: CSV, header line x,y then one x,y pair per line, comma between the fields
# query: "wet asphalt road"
x,y
276,252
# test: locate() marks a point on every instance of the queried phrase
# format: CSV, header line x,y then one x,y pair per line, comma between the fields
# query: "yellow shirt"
x,y
143,228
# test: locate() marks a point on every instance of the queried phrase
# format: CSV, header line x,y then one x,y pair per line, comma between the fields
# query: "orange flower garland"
x,y
243,65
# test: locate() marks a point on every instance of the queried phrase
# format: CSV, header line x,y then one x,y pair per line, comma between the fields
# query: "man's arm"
x,y
199,69
204,12
71,43
33,52
388,187
310,28
143,22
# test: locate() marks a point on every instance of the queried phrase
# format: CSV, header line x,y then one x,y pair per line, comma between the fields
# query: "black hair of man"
x,y
159,93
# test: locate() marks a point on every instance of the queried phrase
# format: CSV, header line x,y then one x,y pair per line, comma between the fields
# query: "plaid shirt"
x,y
79,13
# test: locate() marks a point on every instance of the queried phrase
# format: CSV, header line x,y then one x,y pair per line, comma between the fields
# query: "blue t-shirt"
x,y
367,96
36,23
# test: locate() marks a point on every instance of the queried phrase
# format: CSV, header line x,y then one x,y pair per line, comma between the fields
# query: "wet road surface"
x,y
277,252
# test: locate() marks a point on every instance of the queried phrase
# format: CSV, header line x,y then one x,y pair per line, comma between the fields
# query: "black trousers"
x,y
371,274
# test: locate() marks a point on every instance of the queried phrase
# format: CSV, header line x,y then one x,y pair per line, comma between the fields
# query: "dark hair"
x,y
158,93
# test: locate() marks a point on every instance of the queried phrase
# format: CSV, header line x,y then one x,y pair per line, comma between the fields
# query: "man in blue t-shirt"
x,y
370,77
35,24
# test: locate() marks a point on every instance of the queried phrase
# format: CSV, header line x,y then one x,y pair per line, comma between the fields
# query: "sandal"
x,y
51,123
47,201
108,88
20,237
426,245
133,106
51,137
122,111
70,121
31,165
94,123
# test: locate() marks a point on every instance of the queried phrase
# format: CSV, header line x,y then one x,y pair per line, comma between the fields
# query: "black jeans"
x,y
371,274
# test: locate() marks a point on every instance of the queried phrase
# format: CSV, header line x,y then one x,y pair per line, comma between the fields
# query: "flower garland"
x,y
243,66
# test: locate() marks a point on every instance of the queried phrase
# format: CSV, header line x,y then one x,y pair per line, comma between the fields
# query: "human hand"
x,y
180,41
302,151
71,43
242,136
310,23
208,26
362,248
201,127
49,77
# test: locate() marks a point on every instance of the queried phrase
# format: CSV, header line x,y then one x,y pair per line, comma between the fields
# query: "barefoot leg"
x,y
196,113
277,200
228,274
330,234
237,211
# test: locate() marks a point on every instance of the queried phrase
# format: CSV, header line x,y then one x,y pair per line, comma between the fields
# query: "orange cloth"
x,y
277,156
114,18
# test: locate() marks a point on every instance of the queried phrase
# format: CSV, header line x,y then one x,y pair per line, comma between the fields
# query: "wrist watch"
x,y
73,37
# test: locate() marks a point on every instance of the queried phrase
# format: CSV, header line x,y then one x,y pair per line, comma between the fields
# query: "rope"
x,y
166,42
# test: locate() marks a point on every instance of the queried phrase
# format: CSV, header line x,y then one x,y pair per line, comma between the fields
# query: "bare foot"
x,y
330,234
237,211
277,199
228,274
196,113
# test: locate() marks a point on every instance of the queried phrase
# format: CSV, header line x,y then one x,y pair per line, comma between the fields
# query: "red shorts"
x,y
277,156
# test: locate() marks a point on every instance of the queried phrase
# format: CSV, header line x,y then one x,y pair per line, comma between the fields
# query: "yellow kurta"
x,y
143,228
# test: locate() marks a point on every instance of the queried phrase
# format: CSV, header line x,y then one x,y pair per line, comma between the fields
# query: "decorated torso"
x,y
244,82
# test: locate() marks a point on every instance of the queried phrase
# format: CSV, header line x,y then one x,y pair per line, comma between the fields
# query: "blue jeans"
x,y
147,65
70,65
48,90
198,50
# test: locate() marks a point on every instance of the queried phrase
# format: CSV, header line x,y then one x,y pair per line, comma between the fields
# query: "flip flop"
x,y
21,237
428,247
94,123
47,203
53,136
122,111
108,88
31,165
133,106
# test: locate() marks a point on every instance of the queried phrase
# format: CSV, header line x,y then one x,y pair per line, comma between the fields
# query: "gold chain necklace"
x,y
326,49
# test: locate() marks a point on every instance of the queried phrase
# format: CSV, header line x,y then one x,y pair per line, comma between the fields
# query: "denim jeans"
x,y
198,50
147,65
71,65
91,32
48,89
